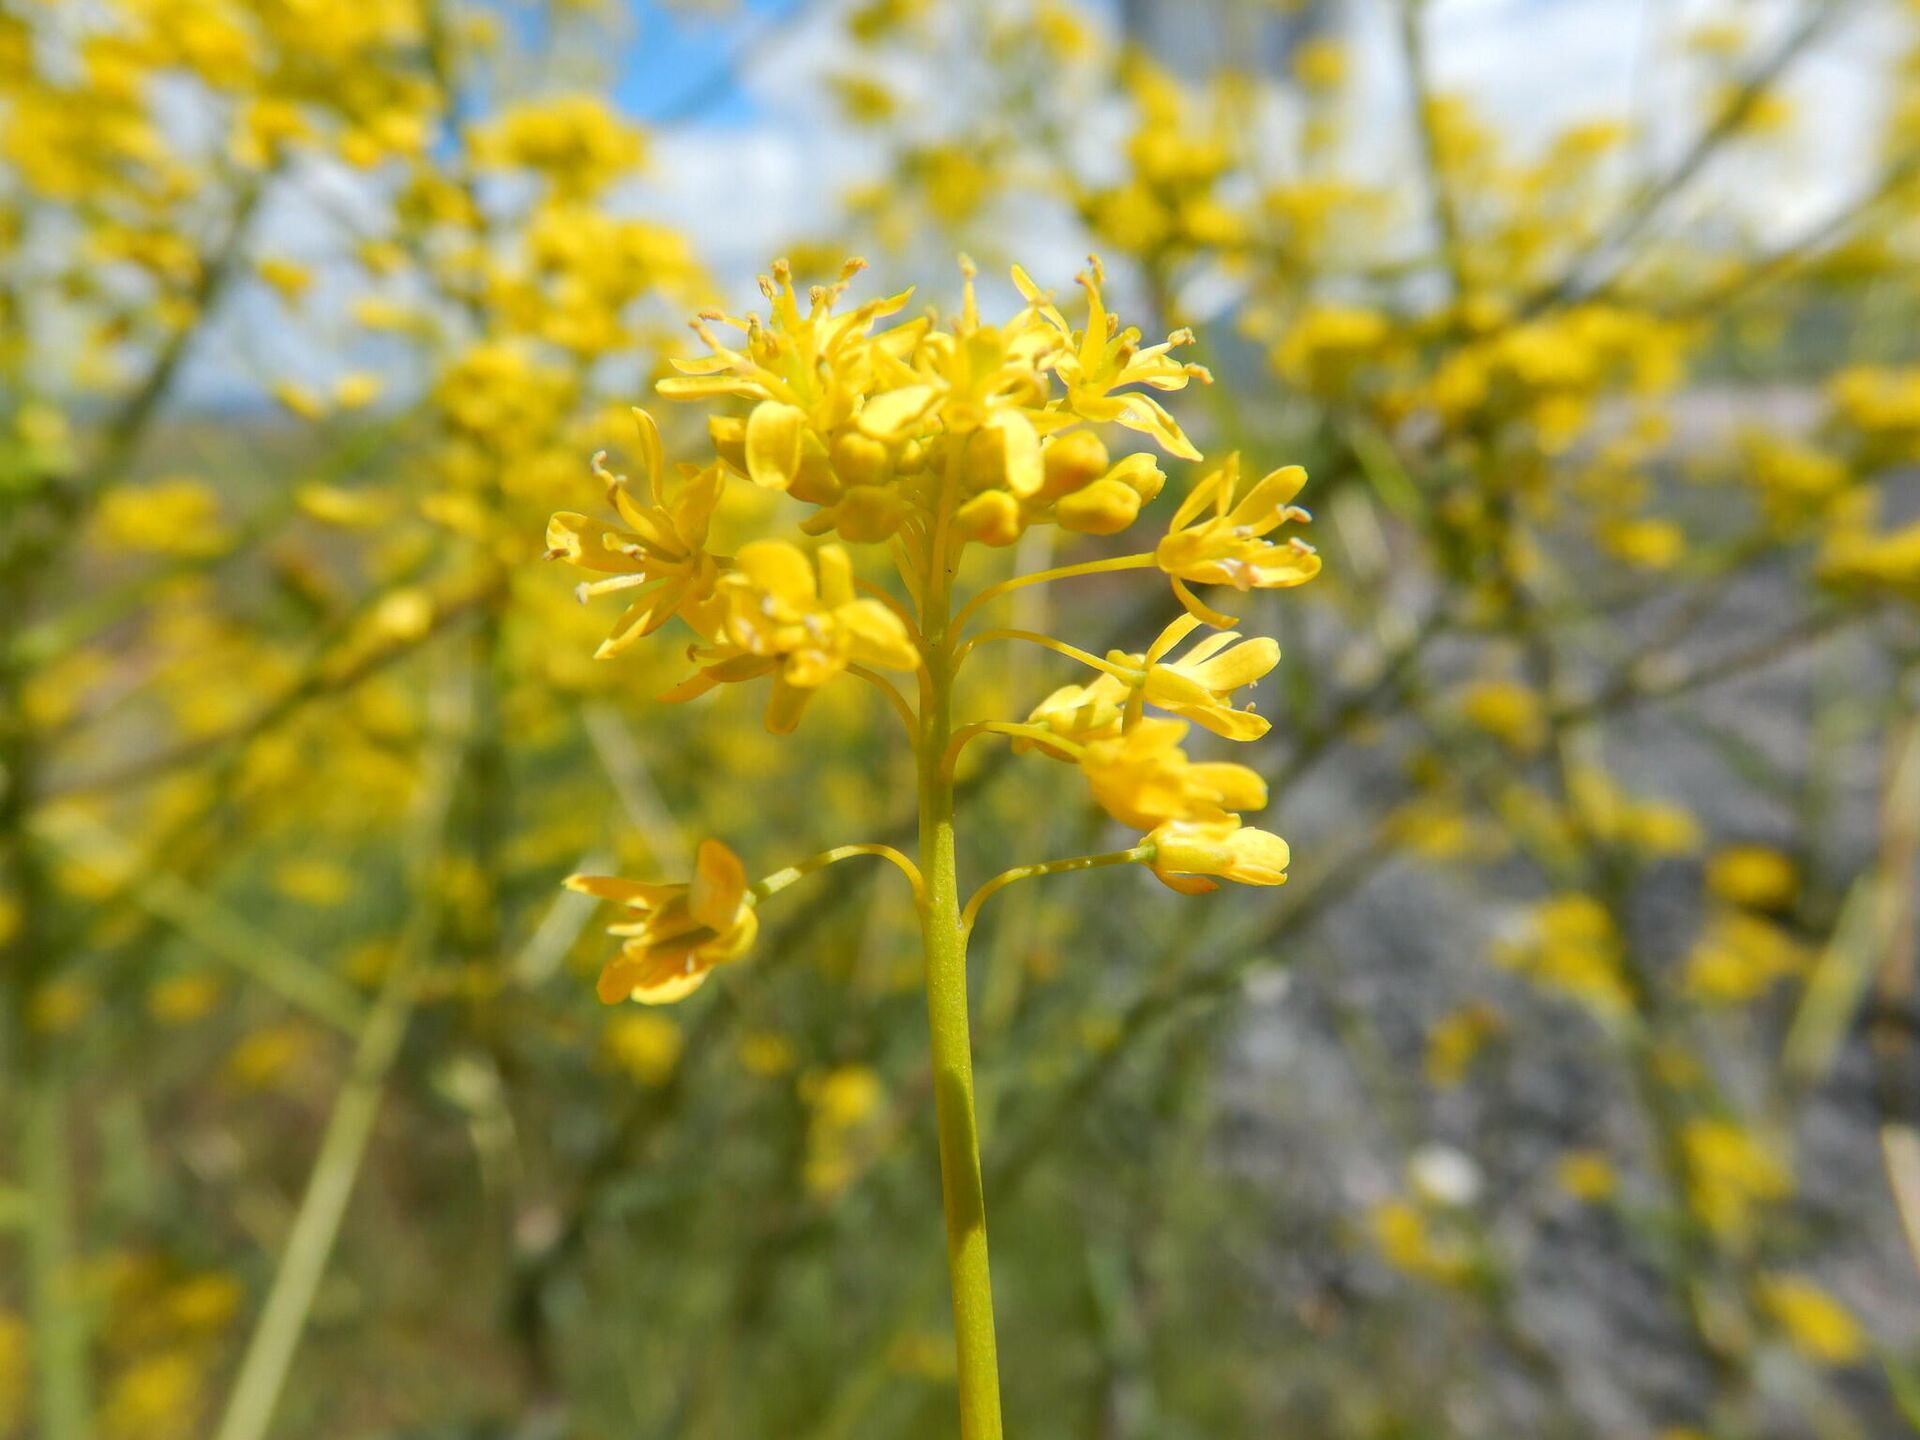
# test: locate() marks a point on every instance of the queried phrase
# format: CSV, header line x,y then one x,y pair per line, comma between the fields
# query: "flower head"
x,y
1228,546
770,615
1143,778
679,932
1189,855
661,553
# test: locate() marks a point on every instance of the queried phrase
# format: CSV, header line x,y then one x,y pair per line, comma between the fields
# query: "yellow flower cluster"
x,y
924,439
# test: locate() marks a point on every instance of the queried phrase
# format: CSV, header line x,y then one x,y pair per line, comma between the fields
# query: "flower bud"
x,y
1072,460
860,459
1189,854
1102,508
868,513
984,462
1141,473
814,483
991,517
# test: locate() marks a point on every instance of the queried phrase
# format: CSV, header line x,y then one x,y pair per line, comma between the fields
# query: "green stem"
x,y
343,1147
946,955
263,1373
59,1331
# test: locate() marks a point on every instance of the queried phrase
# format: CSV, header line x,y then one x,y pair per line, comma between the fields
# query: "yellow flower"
x,y
770,615
1732,1173
288,279
1814,1323
1228,546
1740,957
1144,779
680,932
1572,945
174,516
1755,876
1199,686
1188,854
576,141
1862,560
1104,356
1510,712
645,1045
662,553
1078,714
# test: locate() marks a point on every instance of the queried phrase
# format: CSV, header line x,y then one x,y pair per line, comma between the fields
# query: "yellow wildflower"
x,y
1187,854
662,552
771,615
1509,711
680,931
645,1045
1732,1173
1227,547
1756,876
1572,945
1144,779
1813,1322
1739,958
1587,1175
1456,1041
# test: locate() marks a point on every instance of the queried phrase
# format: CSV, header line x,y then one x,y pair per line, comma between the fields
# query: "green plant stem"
x,y
946,956
59,1331
263,1373
283,1321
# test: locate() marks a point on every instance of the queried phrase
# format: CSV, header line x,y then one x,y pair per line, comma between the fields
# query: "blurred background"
x,y
1568,1088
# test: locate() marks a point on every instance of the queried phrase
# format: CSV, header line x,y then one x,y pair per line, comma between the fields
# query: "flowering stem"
x,y
1137,855
1143,561
977,1369
886,688
1059,647
1039,734
781,879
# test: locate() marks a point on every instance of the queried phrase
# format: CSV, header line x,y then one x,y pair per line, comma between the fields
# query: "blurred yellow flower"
x,y
1756,876
645,1045
1812,1320
680,931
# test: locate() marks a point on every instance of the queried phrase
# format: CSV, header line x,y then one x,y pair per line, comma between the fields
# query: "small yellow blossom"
x,y
1144,779
770,614
1813,1322
1572,945
1456,1040
1228,546
1733,1174
1756,876
1740,957
645,1045
680,931
1189,854
1509,711
662,552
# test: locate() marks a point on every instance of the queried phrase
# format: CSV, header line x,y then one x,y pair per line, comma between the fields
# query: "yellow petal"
x,y
773,444
1025,472
889,416
719,882
780,569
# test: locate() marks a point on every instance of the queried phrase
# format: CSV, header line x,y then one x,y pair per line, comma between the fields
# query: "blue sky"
x,y
681,59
